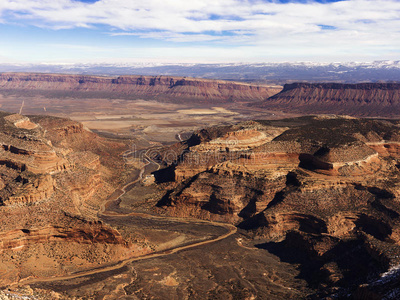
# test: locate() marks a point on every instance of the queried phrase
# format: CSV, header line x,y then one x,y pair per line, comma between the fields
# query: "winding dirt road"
x,y
103,211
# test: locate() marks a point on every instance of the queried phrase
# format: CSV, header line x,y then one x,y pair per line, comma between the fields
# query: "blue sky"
x,y
198,31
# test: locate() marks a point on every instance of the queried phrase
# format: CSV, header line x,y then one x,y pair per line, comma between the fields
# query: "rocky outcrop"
x,y
227,192
32,191
47,158
239,140
85,158
235,181
176,89
70,245
212,146
20,121
93,233
28,160
24,147
363,99
54,177
322,194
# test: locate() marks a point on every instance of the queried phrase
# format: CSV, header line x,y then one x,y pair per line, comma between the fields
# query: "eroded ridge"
x,y
52,184
361,99
163,88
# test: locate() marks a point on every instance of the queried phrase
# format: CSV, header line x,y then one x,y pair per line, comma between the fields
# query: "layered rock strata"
x,y
323,193
52,185
176,89
363,99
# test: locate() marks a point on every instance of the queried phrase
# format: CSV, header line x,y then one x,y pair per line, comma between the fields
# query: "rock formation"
x,y
329,146
322,192
54,177
363,99
163,88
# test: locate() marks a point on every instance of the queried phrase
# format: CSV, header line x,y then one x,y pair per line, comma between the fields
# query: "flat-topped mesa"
x,y
131,87
333,85
230,143
334,140
369,99
279,157
333,144
383,93
235,141
333,160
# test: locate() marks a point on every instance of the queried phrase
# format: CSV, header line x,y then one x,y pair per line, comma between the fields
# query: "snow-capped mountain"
x,y
349,72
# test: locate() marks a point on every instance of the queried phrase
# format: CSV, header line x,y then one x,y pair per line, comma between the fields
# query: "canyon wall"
x,y
363,99
54,177
164,88
233,173
321,192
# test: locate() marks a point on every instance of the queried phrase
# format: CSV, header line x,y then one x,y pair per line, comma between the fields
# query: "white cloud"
x,y
363,26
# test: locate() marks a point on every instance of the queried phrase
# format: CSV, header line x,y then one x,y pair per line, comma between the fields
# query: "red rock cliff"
x,y
130,87
363,99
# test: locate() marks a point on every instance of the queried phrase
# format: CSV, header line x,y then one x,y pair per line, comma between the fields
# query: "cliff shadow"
x,y
346,265
165,175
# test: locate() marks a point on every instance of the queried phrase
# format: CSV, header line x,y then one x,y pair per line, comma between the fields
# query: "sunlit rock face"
x,y
363,99
162,88
52,185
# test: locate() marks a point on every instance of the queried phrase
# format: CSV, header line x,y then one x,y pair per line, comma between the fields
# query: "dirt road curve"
x,y
103,211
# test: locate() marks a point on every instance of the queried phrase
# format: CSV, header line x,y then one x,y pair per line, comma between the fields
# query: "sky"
x,y
198,31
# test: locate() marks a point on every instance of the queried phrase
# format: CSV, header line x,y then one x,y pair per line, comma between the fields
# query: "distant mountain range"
x,y
276,73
